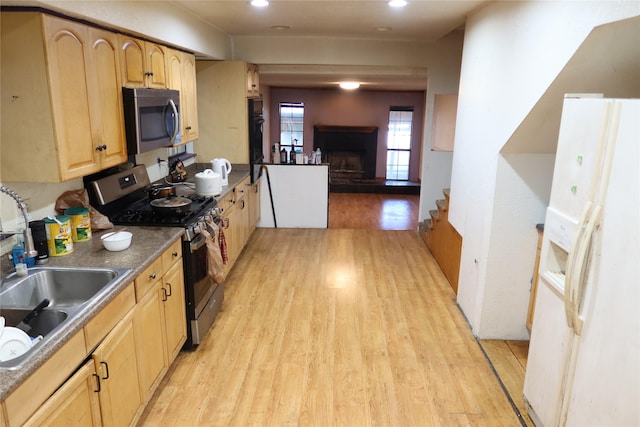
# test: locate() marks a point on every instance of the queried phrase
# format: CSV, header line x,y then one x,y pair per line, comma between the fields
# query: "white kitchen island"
x,y
300,196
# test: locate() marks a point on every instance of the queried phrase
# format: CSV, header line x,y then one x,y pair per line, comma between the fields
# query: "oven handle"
x,y
198,242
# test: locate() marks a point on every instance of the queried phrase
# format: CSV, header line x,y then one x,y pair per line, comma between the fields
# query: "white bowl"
x,y
119,241
14,343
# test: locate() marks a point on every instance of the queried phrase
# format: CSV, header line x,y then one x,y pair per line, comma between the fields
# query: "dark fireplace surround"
x,y
349,150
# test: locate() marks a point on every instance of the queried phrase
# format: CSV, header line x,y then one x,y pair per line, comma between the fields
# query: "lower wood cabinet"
x,y
132,342
149,325
116,364
174,310
74,404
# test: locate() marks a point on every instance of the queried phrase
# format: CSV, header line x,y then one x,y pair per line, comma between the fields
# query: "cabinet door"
x,y
254,205
132,54
189,99
115,362
74,404
149,325
155,65
68,72
174,310
106,98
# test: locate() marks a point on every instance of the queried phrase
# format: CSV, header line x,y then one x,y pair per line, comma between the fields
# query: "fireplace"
x,y
349,150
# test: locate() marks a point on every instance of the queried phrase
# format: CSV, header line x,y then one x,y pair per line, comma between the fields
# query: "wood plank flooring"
x,y
373,211
334,327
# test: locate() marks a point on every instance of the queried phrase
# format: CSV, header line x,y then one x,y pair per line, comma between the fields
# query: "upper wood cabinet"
x,y
143,63
222,101
181,70
253,81
61,103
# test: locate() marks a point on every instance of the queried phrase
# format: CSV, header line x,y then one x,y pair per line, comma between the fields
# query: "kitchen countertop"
x,y
147,244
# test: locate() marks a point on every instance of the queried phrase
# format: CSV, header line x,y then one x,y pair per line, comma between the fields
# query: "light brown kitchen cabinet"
x,y
160,319
174,310
534,284
116,364
74,404
61,100
222,99
150,338
143,63
181,77
254,205
253,81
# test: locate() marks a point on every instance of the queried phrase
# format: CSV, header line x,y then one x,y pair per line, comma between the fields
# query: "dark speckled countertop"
x,y
147,244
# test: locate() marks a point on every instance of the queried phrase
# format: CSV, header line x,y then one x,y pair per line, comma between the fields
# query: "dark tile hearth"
x,y
381,186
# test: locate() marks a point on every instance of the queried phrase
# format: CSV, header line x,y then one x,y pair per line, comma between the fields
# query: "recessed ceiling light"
x,y
280,27
259,3
383,29
397,3
349,85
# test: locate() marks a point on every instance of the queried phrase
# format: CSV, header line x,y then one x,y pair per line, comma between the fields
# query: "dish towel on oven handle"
x,y
222,241
215,265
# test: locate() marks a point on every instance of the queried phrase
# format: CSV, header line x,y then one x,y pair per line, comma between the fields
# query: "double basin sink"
x,y
70,292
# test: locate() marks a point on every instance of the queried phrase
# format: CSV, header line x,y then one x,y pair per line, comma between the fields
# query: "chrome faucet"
x,y
29,249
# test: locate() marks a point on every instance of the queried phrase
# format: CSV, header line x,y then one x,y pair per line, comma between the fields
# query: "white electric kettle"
x,y
223,167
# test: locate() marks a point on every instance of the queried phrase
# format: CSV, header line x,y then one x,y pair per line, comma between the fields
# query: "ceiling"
x,y
418,21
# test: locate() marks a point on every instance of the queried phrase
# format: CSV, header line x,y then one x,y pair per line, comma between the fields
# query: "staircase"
x,y
443,240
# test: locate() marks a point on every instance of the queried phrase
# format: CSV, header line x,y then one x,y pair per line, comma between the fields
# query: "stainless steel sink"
x,y
62,287
70,291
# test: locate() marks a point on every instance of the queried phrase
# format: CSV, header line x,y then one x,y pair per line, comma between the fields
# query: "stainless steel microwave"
x,y
151,118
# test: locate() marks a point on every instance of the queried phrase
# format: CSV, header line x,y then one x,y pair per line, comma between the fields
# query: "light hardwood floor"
x,y
334,327
373,211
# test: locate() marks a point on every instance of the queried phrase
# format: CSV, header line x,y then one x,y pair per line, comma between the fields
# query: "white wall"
x,y
512,53
159,20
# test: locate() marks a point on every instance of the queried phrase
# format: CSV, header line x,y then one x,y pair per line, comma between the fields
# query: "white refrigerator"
x,y
583,367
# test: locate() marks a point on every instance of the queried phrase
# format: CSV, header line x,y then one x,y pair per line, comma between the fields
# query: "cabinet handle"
x,y
164,294
174,254
101,147
106,367
242,204
228,223
97,382
152,276
188,128
169,293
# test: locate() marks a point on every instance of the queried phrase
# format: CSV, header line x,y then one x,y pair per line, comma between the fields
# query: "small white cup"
x,y
21,269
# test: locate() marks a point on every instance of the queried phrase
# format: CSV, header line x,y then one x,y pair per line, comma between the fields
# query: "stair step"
x,y
442,204
428,223
446,192
434,215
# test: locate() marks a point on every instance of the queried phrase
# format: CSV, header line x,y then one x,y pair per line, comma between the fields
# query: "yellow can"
x,y
80,223
59,238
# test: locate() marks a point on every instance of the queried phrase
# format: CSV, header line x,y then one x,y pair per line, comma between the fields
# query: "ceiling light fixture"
x,y
397,3
259,3
280,27
349,85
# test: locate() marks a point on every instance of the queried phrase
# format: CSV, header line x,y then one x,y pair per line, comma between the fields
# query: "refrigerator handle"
x,y
582,266
569,303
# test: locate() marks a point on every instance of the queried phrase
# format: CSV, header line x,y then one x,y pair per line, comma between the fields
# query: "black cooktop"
x,y
142,213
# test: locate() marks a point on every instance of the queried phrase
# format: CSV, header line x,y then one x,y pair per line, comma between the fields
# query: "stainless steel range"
x,y
124,197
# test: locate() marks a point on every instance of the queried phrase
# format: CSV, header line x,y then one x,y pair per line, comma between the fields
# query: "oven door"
x,y
204,296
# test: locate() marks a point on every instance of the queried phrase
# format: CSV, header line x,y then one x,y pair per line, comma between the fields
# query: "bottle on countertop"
x,y
283,155
275,153
292,156
318,156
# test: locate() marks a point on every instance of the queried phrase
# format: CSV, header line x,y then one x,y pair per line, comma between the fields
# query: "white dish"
x,y
13,343
118,241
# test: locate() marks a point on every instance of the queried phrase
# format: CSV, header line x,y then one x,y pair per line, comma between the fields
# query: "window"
x,y
399,143
291,124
